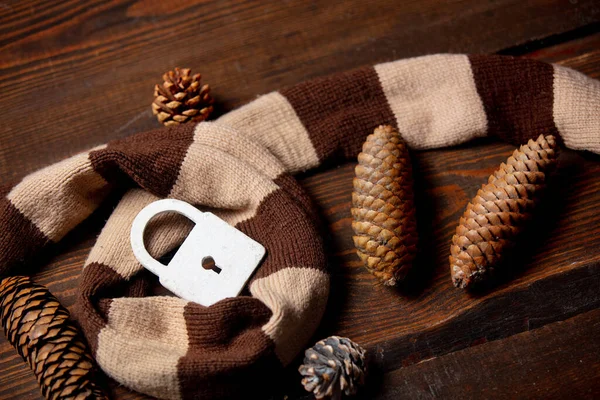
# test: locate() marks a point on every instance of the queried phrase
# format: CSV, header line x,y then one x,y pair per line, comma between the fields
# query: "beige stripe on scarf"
x,y
577,109
297,297
57,198
228,173
434,99
272,122
143,335
163,234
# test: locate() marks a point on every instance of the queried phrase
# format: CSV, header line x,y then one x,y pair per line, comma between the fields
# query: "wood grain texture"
x,y
76,74
541,363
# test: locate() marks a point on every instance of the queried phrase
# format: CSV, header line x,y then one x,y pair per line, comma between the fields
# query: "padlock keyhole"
x,y
209,264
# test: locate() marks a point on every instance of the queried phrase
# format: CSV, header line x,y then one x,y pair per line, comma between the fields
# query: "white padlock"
x,y
213,263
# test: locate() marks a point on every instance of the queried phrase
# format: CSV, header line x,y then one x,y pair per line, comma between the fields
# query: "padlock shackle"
x,y
143,218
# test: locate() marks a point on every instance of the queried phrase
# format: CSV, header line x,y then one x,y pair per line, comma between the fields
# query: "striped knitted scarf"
x,y
240,167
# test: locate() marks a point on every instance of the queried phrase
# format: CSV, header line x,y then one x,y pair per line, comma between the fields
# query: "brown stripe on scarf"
x,y
228,351
290,238
151,159
339,111
517,96
21,239
98,285
290,185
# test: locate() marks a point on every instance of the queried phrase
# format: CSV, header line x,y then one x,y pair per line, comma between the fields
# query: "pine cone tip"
x,y
181,98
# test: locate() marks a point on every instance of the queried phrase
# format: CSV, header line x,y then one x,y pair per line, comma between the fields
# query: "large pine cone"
x,y
383,206
333,366
40,330
498,213
181,98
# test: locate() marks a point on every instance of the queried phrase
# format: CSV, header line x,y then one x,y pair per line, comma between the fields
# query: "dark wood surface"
x,y
75,74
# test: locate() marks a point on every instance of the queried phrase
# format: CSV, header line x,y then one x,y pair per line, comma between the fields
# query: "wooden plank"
x,y
79,73
558,361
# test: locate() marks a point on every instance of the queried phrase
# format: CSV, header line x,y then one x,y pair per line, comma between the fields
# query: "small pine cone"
x,y
333,366
383,206
40,330
181,98
498,213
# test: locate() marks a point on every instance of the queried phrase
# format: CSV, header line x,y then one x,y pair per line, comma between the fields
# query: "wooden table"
x,y
75,74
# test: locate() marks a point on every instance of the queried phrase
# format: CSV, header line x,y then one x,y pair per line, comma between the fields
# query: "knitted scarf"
x,y
240,167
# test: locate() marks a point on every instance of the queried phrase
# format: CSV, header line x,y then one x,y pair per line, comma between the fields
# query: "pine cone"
x,y
181,98
333,366
498,213
383,206
40,330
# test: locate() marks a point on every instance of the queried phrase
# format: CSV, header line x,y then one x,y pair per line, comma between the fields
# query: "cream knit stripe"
x,y
297,297
142,343
213,178
434,100
219,137
271,121
57,198
576,109
162,234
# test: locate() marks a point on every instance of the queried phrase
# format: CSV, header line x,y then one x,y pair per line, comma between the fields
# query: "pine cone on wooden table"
x,y
499,212
38,326
333,366
181,98
383,206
